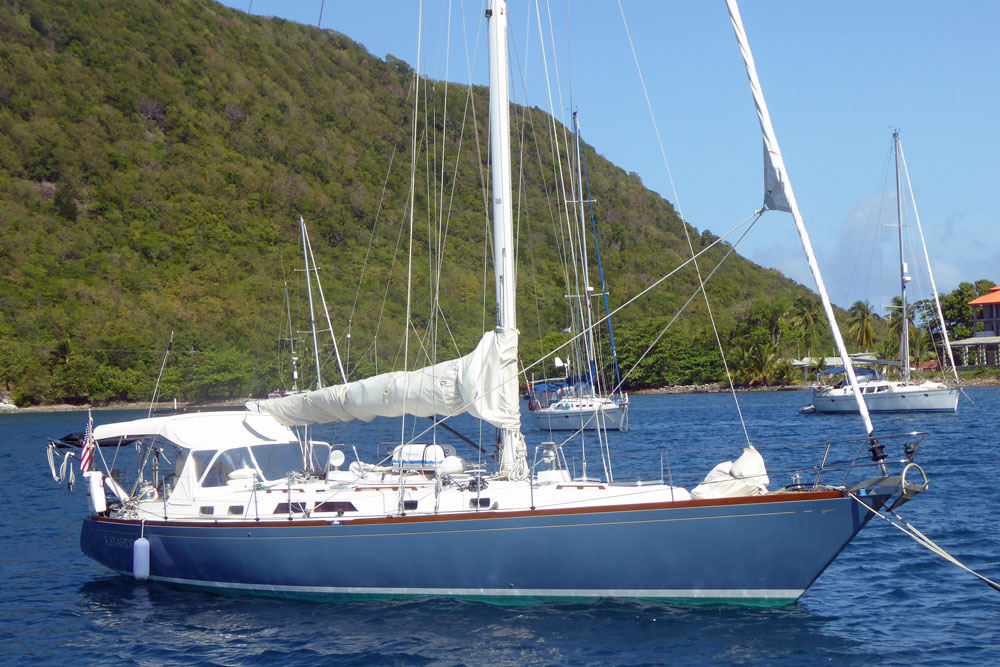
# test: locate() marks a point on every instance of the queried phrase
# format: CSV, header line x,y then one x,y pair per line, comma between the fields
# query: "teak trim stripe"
x,y
465,516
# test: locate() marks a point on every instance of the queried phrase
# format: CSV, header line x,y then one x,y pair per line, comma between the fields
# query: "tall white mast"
x,y
512,456
778,195
903,278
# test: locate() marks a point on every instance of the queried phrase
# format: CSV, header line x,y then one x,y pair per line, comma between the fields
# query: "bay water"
x,y
884,600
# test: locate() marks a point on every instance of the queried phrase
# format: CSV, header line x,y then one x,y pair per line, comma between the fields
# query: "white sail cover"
x,y
746,476
482,383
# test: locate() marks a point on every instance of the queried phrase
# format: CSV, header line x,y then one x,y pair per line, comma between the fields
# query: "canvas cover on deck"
x,y
483,383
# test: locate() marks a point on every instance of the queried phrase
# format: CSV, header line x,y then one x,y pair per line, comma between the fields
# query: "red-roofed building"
x,y
987,310
983,349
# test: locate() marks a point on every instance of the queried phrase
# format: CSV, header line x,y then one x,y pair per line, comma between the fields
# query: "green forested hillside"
x,y
155,157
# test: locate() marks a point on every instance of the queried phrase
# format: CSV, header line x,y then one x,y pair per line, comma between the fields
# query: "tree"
x,y
807,321
921,345
896,316
861,324
958,314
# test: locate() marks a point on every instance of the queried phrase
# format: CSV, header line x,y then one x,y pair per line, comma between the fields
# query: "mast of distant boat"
x,y
927,260
590,347
903,278
291,342
312,312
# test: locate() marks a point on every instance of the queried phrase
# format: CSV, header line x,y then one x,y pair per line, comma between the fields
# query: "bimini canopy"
x,y
200,430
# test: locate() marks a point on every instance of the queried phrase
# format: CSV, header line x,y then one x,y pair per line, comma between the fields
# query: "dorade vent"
x,y
335,506
236,510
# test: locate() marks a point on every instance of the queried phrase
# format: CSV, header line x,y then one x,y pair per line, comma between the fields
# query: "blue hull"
x,y
754,550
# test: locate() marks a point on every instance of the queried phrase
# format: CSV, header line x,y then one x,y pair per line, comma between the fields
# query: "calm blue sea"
x,y
885,600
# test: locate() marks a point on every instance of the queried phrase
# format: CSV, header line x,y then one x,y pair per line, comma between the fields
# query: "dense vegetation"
x,y
155,157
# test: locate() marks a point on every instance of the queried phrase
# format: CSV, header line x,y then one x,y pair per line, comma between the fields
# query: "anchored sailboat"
x,y
252,504
904,395
584,401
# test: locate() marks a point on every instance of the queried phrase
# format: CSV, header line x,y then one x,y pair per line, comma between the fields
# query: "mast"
x,y
903,278
604,288
312,313
778,195
291,342
326,311
591,349
512,457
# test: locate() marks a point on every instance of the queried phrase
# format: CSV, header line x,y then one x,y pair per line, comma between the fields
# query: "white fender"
x,y
95,489
140,559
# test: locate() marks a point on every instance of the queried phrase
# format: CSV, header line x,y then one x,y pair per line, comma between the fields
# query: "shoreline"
x,y
228,404
225,404
718,388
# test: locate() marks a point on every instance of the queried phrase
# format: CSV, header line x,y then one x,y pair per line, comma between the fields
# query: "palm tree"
x,y
896,317
806,320
861,324
921,345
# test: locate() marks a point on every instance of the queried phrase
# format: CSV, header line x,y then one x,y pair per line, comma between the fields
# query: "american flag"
x,y
89,444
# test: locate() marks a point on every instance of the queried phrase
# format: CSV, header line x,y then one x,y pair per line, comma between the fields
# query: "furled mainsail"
x,y
483,383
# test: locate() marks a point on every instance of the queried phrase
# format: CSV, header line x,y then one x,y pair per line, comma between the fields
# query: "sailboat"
x,y
581,402
250,503
881,394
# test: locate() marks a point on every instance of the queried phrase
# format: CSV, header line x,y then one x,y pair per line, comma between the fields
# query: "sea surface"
x,y
884,600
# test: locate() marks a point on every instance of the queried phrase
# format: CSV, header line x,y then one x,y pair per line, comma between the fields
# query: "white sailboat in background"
x,y
881,394
253,505
583,401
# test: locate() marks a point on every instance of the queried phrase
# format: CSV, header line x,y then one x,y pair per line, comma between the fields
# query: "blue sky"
x,y
838,78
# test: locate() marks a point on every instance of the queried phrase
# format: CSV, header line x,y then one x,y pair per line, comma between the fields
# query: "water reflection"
x,y
201,626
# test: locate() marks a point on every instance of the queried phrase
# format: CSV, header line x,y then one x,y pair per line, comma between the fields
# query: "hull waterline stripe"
x,y
708,594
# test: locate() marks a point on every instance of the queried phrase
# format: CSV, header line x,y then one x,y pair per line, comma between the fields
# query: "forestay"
x,y
478,384
778,195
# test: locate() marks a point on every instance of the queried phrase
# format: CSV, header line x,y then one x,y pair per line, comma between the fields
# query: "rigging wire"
x,y
753,220
684,225
371,240
930,273
873,226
